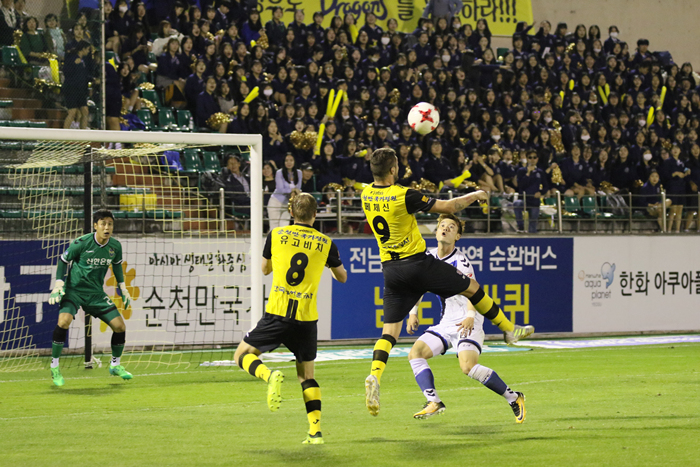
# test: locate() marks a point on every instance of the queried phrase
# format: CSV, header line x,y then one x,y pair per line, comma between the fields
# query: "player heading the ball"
x,y
408,272
460,327
90,256
296,255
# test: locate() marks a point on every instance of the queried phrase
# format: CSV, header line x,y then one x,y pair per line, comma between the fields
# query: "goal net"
x,y
191,248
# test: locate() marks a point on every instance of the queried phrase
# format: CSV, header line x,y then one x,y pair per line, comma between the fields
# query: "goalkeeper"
x,y
90,255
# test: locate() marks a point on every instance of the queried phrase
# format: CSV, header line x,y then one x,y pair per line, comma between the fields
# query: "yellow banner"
x,y
502,15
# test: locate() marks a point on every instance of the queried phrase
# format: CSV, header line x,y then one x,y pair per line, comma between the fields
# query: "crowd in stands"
x,y
561,110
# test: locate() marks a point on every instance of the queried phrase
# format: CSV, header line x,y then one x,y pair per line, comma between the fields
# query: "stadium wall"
x,y
189,293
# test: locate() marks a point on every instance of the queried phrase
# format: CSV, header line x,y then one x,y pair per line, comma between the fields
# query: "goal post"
x,y
33,163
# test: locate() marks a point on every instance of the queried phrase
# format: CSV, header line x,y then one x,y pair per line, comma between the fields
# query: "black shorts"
x,y
406,280
300,337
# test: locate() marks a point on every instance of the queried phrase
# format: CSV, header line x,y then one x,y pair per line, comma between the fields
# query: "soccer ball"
x,y
423,118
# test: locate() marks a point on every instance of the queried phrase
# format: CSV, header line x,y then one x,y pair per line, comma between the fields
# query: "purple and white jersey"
x,y
454,309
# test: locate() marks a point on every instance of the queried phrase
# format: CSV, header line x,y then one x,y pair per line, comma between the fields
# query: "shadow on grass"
x,y
107,390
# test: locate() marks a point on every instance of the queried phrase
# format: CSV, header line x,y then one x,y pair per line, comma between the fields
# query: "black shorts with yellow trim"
x,y
406,280
300,337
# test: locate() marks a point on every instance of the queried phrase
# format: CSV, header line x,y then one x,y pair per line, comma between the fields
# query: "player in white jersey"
x,y
460,327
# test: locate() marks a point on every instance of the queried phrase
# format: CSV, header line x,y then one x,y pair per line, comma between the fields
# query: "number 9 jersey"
x,y
298,253
389,210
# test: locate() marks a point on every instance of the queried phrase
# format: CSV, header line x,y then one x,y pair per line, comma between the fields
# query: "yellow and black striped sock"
x,y
312,399
381,355
253,365
486,306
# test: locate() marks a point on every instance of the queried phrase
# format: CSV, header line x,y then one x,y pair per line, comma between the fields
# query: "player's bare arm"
x,y
340,274
457,204
412,321
266,266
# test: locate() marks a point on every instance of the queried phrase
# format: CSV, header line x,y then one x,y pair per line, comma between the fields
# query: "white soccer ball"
x,y
423,118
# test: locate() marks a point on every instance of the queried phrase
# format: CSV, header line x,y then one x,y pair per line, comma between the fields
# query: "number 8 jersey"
x,y
298,253
390,211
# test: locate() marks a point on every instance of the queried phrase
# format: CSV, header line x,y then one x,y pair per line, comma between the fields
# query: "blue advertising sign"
x,y
25,281
529,278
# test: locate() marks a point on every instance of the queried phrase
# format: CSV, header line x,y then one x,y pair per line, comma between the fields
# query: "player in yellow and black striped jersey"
x,y
296,255
408,271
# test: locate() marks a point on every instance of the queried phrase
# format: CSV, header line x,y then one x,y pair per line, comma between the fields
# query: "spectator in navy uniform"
x,y
530,184
439,169
650,194
275,28
207,104
674,172
424,53
75,87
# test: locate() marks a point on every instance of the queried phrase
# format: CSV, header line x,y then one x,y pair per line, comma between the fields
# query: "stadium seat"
x,y
166,120
211,161
185,120
152,96
145,116
10,57
501,52
191,161
572,206
589,205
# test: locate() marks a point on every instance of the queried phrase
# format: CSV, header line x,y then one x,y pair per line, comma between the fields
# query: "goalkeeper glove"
x,y
126,297
57,292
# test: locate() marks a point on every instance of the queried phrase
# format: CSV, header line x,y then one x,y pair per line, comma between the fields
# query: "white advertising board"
x,y
645,283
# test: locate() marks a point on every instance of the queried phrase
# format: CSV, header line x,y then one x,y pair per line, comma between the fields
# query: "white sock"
x,y
54,363
115,361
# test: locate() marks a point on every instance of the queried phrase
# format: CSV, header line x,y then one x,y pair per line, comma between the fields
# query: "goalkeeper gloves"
x,y
57,293
126,297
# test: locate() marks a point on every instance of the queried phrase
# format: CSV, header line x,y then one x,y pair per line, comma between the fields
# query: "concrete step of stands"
x,y
5,82
25,103
137,181
16,93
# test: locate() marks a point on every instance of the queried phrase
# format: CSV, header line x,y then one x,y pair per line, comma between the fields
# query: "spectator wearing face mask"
x,y
609,45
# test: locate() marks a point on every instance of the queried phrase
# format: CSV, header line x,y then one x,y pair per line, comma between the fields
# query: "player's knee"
x,y
466,366
64,320
118,327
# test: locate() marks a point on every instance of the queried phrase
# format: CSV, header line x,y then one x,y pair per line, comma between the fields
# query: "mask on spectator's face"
x,y
456,25
445,58
385,40
613,34
642,122
495,137
647,156
585,137
123,9
267,92
596,51
547,119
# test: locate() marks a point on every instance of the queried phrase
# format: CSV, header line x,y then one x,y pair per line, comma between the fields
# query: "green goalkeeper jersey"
x,y
90,263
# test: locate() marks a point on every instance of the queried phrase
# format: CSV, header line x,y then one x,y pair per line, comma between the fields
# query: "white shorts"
x,y
443,336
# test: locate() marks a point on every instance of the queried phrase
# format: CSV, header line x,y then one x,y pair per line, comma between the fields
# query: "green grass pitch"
x,y
603,406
